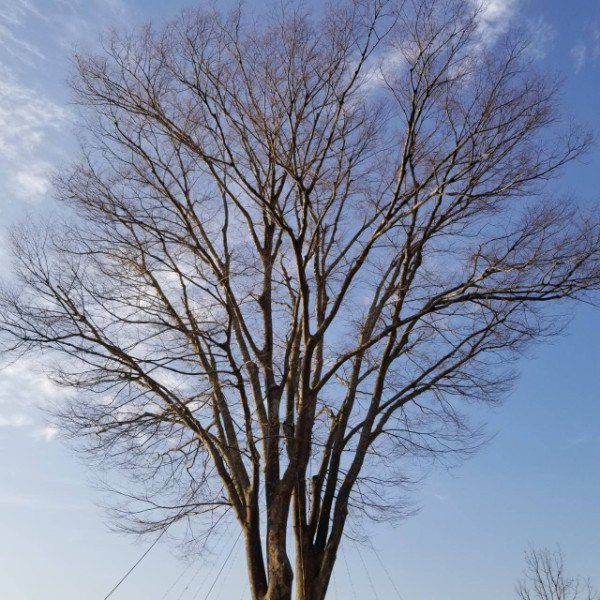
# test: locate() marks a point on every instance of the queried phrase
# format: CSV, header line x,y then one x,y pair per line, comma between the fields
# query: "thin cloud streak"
x,y
29,121
579,56
22,501
587,50
33,124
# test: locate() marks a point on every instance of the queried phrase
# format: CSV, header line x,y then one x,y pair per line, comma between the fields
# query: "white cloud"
x,y
587,49
25,117
116,7
14,14
33,181
22,385
33,123
16,421
579,55
540,35
495,18
24,391
18,47
18,500
28,121
595,41
497,11
45,434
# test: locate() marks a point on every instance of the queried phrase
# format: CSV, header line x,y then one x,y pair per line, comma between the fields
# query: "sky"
x,y
537,482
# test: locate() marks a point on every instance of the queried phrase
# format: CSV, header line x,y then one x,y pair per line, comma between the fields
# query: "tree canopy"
x,y
293,252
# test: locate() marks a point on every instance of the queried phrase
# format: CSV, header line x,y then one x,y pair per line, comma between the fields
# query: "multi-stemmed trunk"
x,y
270,570
309,580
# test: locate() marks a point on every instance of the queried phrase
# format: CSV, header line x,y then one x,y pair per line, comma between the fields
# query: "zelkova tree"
x,y
295,250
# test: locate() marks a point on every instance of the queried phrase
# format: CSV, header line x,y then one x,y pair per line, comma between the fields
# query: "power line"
x,y
186,588
136,564
237,539
334,585
348,570
364,564
206,577
244,590
374,550
229,567
166,595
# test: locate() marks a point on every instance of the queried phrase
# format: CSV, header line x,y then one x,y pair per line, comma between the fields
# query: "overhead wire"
x,y
385,570
349,575
364,564
174,585
205,579
189,583
114,589
334,585
237,539
229,567
244,590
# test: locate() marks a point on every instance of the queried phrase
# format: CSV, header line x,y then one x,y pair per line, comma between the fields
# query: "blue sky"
x,y
537,482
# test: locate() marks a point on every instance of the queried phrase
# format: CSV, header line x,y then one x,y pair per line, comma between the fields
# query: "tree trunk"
x,y
280,574
280,570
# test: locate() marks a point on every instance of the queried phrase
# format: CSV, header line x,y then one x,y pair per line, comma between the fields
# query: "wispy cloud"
x,y
540,35
579,55
23,391
28,121
33,121
24,501
26,117
18,47
579,439
44,434
14,14
595,34
495,18
32,181
587,50
81,22
23,385
17,11
16,420
34,140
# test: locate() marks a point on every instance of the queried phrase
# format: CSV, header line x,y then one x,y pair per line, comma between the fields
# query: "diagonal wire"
x,y
364,564
334,585
195,575
237,539
374,550
349,575
185,570
244,590
196,594
233,558
136,564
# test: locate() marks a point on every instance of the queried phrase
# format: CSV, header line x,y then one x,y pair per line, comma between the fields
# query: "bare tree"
x,y
296,251
545,579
